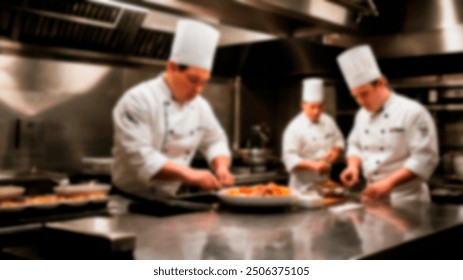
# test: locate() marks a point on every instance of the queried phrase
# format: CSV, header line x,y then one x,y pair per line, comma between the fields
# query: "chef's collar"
x,y
385,107
388,103
312,123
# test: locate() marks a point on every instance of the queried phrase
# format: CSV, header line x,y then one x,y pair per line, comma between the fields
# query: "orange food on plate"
x,y
261,190
11,203
41,199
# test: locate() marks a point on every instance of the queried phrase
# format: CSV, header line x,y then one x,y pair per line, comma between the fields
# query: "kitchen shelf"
x,y
445,107
447,84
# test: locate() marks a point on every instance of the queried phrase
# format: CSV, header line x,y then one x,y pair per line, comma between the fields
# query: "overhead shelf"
x,y
445,107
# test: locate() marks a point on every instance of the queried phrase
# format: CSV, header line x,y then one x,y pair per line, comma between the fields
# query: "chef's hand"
x,y
321,167
350,176
224,176
377,190
331,156
201,178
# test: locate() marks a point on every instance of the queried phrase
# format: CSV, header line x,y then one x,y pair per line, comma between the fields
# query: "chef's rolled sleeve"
x,y
423,145
353,141
214,142
290,153
291,160
155,162
338,137
215,150
134,135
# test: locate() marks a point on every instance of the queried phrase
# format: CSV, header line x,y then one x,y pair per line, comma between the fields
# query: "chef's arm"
x,y
339,145
221,162
172,171
306,164
423,145
400,176
350,175
333,155
190,176
214,142
354,162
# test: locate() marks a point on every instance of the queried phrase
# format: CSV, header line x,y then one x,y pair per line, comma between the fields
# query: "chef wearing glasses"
x,y
160,123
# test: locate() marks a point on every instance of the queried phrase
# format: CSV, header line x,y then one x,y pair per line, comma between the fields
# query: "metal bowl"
x,y
255,156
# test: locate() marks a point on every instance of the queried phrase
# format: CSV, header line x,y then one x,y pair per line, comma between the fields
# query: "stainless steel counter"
x,y
290,234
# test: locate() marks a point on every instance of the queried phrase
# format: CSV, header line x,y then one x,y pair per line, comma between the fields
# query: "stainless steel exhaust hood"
x,y
432,27
80,30
109,31
115,31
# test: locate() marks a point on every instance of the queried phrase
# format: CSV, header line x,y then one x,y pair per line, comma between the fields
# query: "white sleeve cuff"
x,y
291,161
151,168
353,151
422,168
217,149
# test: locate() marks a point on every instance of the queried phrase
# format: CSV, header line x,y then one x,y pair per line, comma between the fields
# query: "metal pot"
x,y
255,156
458,163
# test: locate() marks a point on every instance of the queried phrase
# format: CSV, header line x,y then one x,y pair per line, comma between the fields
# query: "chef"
x,y
160,123
312,141
393,139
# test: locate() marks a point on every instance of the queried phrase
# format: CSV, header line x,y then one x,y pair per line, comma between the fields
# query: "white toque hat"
x,y
194,44
358,66
312,90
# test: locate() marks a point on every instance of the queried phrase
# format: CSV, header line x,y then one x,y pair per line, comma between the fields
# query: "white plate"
x,y
75,203
13,208
50,205
9,192
253,201
82,189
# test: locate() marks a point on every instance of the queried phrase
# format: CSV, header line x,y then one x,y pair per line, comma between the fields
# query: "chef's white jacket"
x,y
306,140
401,134
151,128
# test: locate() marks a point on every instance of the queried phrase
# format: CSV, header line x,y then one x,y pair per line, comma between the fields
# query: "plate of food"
x,y
82,189
42,201
269,195
12,205
11,192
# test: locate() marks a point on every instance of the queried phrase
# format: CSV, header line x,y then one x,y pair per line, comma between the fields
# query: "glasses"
x,y
196,81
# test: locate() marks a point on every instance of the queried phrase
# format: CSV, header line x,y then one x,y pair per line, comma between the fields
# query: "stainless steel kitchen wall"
x,y
53,113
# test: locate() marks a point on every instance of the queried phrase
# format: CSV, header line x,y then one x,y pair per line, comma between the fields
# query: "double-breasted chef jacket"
x,y
151,128
306,140
401,134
